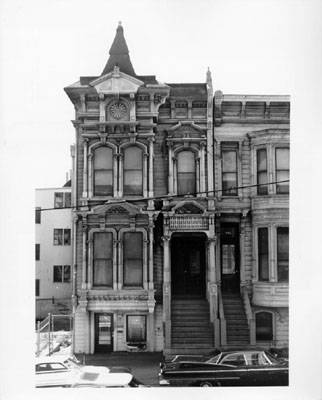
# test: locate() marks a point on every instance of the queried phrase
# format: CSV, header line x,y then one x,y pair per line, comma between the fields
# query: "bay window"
x,y
282,161
262,172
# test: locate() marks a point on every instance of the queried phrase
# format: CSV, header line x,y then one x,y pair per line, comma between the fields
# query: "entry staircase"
x,y
191,329
237,328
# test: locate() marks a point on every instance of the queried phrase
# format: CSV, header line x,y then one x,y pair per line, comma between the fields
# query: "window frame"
x,y
109,170
282,227
102,285
142,259
193,173
63,236
259,254
226,147
62,273
276,170
264,171
137,170
66,199
144,340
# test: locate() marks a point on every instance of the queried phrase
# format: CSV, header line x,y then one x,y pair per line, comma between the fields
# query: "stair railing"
x,y
249,315
223,327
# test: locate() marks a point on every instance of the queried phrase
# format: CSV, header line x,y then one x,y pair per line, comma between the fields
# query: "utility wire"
x,y
165,197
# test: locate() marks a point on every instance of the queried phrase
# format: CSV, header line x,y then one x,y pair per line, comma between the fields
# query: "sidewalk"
x,y
144,366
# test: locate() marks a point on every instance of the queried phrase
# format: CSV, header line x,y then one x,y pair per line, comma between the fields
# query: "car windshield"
x,y
271,358
213,360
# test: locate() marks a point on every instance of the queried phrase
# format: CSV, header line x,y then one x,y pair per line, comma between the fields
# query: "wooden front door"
x,y
103,333
229,255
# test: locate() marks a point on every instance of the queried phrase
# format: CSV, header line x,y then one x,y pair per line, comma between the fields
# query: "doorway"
x,y
103,333
229,257
188,264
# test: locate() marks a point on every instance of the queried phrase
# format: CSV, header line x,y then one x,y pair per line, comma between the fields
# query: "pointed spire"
x,y
119,54
209,79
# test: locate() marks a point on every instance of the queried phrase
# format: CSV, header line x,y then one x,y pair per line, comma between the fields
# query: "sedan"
x,y
227,368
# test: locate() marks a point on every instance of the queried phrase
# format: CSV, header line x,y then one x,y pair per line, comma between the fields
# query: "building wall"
x,y
51,254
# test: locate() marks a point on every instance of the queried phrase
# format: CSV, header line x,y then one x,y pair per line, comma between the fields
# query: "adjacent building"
x,y
53,251
181,213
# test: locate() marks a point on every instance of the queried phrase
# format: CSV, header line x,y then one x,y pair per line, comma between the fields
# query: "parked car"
x,y
227,368
56,370
102,377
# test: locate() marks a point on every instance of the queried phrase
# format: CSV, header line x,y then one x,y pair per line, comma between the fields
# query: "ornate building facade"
x,y
181,234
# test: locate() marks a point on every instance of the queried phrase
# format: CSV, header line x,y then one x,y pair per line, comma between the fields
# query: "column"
x,y
175,183
170,173
120,263
145,261
102,108
202,170
120,171
151,156
115,175
151,238
90,176
90,263
242,250
85,149
198,176
145,175
115,272
84,244
166,291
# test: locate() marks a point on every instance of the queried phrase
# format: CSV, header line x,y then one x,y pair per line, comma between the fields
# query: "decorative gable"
x,y
188,207
116,82
119,208
186,129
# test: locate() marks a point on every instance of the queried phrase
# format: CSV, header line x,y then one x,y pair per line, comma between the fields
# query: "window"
x,y
103,171
38,215
136,329
234,359
61,237
132,170
186,175
282,254
263,267
103,259
37,250
262,172
62,200
62,273
282,170
229,171
37,287
133,258
264,326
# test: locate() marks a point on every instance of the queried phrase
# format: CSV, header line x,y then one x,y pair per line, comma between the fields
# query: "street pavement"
x,y
144,366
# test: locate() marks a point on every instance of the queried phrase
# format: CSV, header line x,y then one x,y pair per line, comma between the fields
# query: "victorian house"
x,y
181,234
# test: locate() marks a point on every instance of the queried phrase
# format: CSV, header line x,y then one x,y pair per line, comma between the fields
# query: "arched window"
x,y
264,326
132,171
103,171
186,174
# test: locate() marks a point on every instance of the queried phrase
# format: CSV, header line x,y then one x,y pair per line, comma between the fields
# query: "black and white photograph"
x,y
161,179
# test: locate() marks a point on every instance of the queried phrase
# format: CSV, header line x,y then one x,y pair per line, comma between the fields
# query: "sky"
x,y
250,46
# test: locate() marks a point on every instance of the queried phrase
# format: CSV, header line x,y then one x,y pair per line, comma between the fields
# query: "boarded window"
x,y
38,215
229,172
186,173
264,326
133,174
262,189
282,254
263,270
282,170
136,329
133,259
103,172
103,259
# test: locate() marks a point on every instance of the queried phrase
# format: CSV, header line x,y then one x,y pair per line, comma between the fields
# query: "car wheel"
x,y
205,384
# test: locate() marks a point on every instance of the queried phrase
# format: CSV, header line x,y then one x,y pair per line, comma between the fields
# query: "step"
x,y
192,346
193,335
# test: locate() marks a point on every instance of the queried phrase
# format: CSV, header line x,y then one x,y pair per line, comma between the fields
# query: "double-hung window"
x,y
263,264
262,176
133,259
186,175
282,173
62,273
282,254
133,171
103,171
103,259
62,237
62,200
229,169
